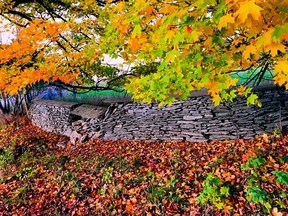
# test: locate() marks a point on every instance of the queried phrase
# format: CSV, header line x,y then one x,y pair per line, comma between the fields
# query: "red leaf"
x,y
188,29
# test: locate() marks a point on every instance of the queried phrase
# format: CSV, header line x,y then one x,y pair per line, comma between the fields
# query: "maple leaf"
x,y
129,208
168,8
170,34
135,45
265,38
188,29
231,82
280,32
150,11
265,137
281,72
241,90
252,99
214,90
251,49
225,20
274,48
246,8
281,66
216,99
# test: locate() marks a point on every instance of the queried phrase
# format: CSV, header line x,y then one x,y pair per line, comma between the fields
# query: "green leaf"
x,y
219,205
224,191
282,177
267,205
137,31
172,55
233,94
252,99
279,30
254,173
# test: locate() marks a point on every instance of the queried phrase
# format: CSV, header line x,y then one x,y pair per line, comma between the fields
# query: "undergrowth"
x,y
39,177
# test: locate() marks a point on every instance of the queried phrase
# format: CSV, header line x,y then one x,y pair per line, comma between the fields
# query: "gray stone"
x,y
193,134
67,132
74,137
191,118
89,111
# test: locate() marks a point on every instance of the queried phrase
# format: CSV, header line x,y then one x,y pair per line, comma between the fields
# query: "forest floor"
x,y
44,174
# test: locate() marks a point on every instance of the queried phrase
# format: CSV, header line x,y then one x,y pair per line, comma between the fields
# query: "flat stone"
x,y
89,111
193,134
218,133
196,139
191,118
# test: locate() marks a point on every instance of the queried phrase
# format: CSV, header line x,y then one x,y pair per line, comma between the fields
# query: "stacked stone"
x,y
194,120
53,116
197,120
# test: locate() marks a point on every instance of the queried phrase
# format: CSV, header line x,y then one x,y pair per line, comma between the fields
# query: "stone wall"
x,y
195,119
53,116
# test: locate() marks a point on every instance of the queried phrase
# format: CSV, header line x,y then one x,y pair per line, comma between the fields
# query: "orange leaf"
x,y
129,208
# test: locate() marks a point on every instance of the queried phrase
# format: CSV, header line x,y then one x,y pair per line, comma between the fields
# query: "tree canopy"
x,y
191,45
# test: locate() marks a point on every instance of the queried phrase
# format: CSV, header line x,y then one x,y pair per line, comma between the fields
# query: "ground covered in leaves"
x,y
43,174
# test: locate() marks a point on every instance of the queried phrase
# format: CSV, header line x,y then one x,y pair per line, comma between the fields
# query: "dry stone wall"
x,y
195,119
53,116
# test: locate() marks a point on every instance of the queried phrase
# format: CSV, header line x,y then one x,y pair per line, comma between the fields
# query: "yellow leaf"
x,y
250,49
216,99
124,29
265,38
247,8
265,137
281,66
149,10
170,34
231,82
281,71
182,12
120,6
274,47
168,8
228,18
280,79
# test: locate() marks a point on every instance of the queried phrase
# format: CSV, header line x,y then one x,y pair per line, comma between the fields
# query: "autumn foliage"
x,y
43,174
198,44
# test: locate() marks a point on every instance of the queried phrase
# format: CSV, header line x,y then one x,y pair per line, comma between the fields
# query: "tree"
x,y
199,44
191,45
51,45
